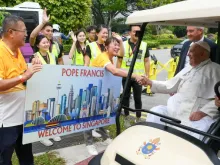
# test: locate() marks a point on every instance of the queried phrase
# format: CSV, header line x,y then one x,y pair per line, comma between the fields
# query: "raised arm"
x,y
73,47
36,31
121,73
122,51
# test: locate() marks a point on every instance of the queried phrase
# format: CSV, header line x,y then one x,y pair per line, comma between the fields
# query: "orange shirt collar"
x,y
8,49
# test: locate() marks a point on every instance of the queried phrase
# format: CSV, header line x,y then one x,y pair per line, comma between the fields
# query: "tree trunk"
x,y
109,22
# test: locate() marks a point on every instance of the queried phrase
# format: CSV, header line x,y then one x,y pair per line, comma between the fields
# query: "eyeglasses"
x,y
24,31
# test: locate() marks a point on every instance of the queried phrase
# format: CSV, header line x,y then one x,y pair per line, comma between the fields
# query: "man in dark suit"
x,y
194,34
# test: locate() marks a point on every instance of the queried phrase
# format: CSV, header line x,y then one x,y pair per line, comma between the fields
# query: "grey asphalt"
x,y
163,56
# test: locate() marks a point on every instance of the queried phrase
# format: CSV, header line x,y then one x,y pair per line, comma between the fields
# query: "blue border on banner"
x,y
66,123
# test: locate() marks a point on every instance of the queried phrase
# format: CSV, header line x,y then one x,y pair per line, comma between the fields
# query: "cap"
x,y
56,27
203,44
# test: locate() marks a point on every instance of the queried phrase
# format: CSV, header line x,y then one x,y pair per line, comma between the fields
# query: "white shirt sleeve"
x,y
211,109
166,87
106,64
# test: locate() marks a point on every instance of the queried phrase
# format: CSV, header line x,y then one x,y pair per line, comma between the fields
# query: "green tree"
x,y
149,4
9,3
2,16
69,14
180,31
105,10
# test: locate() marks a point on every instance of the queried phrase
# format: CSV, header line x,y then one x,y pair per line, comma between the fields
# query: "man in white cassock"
x,y
193,101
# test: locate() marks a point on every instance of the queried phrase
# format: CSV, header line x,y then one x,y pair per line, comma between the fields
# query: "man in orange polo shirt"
x,y
13,73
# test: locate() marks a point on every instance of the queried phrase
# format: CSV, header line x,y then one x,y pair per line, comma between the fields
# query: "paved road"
x,y
148,102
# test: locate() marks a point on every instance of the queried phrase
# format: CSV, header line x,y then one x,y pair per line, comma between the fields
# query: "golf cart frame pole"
x,y
128,78
218,43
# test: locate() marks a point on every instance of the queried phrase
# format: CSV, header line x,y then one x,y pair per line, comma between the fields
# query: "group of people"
x,y
99,51
192,87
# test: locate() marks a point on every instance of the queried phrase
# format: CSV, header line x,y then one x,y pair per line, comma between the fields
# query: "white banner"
x,y
62,100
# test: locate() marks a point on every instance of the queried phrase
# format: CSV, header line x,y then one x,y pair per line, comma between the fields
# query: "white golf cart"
x,y
154,144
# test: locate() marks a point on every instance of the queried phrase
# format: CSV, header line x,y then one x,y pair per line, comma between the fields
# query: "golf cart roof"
x,y
204,13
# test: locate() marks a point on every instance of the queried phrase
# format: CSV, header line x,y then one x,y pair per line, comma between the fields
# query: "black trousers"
x,y
10,140
137,90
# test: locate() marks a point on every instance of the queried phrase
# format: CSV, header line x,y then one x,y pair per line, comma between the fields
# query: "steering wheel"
x,y
216,88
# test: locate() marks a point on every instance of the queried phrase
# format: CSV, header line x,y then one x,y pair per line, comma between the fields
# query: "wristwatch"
x,y
21,78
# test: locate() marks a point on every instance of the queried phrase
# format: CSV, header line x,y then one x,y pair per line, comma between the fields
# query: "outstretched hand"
x,y
144,80
139,79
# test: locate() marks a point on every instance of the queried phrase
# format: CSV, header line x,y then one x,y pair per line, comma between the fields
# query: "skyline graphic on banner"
x,y
70,106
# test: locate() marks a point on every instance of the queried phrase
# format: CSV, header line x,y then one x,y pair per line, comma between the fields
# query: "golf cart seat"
x,y
151,143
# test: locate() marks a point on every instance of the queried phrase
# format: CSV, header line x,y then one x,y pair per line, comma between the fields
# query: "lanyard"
x,y
83,50
99,47
47,58
132,52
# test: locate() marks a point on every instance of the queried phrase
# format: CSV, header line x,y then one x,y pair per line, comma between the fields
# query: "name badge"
x,y
139,54
128,63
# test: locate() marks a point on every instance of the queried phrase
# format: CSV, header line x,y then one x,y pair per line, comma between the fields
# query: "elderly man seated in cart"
x,y
193,101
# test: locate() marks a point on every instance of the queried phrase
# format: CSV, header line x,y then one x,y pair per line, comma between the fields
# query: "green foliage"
x,y
113,5
212,30
169,41
171,28
112,128
179,31
66,48
69,14
211,36
49,158
151,30
2,16
161,36
10,3
105,10
119,26
149,37
166,36
165,31
149,4
153,44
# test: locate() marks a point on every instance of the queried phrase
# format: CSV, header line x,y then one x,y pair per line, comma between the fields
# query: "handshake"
x,y
143,80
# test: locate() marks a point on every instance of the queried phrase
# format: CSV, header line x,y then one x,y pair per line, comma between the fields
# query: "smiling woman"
x,y
105,59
